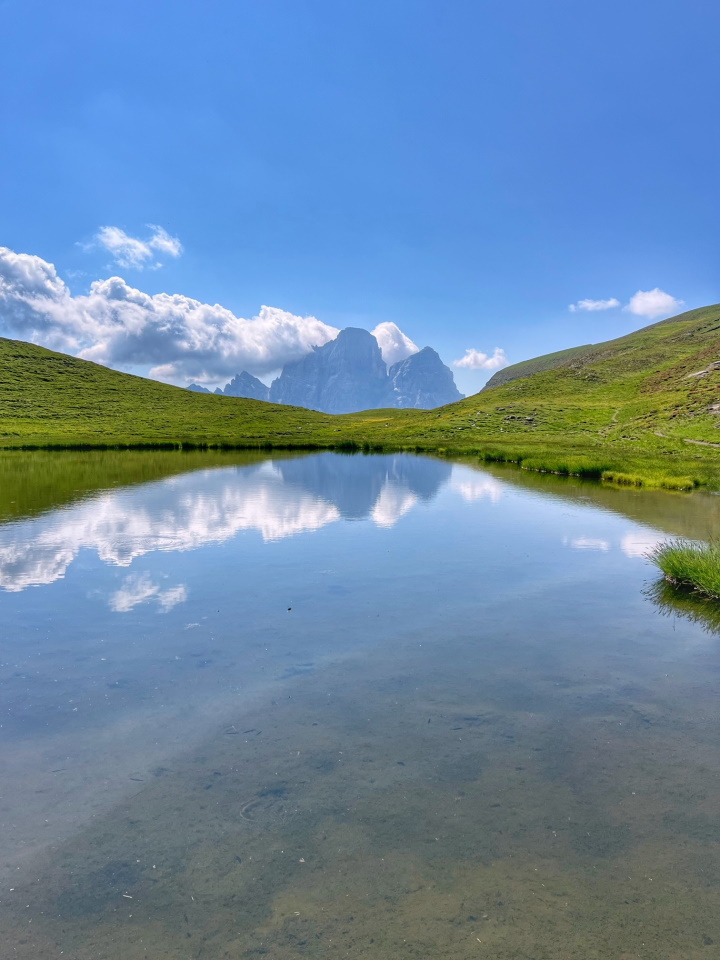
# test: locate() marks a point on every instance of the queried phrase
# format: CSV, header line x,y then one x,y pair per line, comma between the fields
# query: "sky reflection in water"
x,y
275,499
476,645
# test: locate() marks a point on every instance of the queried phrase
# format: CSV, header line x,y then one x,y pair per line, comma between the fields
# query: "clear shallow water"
x,y
344,706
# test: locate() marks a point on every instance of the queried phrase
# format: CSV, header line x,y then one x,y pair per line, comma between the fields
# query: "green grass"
x,y
622,465
657,479
549,361
690,565
629,411
674,601
49,399
38,480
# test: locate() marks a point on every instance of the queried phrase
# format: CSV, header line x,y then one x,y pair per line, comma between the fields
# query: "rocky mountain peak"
x,y
246,385
348,374
342,376
422,380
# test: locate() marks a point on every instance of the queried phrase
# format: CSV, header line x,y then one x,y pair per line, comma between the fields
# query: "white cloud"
x,y
640,543
392,504
594,305
126,251
172,597
475,360
135,254
139,588
119,325
163,242
136,589
394,345
180,514
653,304
636,544
186,514
586,543
477,488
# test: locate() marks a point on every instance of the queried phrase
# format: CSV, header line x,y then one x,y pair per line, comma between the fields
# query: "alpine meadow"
x,y
643,409
360,480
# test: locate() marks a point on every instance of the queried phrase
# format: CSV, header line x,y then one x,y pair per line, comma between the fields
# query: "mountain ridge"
x,y
647,402
245,385
348,375
345,375
423,381
525,368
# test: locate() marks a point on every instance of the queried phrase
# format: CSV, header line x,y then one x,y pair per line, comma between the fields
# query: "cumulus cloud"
x,y
593,305
394,344
653,304
115,324
475,360
133,253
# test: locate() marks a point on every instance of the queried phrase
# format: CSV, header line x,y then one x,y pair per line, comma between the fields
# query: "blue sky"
x,y
466,170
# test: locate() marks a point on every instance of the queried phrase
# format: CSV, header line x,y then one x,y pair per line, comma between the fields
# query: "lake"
x,y
284,706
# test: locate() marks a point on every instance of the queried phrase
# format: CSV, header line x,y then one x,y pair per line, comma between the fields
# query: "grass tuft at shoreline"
x,y
647,471
663,481
690,565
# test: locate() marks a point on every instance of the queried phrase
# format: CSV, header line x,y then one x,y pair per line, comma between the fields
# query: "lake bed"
x,y
359,706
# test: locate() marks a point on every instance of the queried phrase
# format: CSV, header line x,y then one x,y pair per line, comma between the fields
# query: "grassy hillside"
x,y
549,361
646,401
645,405
49,398
658,380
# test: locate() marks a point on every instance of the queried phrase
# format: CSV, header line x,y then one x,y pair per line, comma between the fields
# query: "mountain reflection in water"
x,y
277,498
377,706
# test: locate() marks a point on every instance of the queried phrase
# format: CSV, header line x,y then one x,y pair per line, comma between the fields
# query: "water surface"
x,y
357,706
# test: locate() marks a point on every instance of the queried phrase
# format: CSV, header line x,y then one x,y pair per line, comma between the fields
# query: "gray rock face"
x,y
344,375
246,385
349,374
422,380
242,385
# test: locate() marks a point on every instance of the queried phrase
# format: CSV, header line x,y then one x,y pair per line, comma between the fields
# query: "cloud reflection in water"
x,y
139,588
278,499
